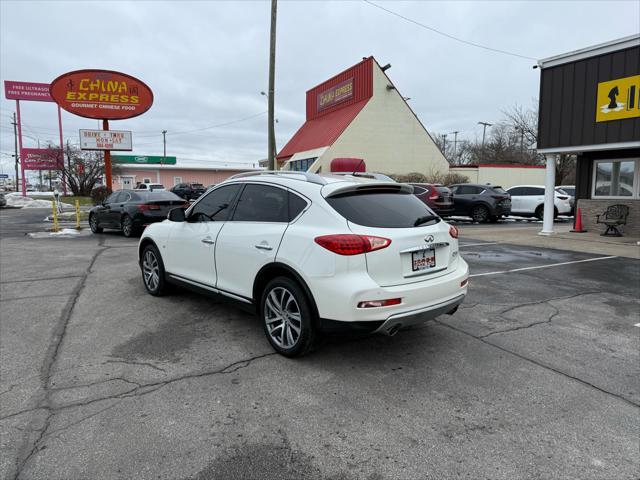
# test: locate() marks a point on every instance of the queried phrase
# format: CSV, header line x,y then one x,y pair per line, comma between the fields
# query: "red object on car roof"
x,y
348,165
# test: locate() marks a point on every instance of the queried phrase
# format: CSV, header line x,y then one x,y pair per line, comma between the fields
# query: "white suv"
x,y
528,201
311,254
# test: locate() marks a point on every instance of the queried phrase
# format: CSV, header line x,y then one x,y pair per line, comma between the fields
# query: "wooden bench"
x,y
613,217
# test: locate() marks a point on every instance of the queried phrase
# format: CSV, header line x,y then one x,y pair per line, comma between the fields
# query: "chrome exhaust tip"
x,y
393,330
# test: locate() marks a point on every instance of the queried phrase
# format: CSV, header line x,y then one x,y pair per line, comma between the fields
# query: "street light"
x,y
484,130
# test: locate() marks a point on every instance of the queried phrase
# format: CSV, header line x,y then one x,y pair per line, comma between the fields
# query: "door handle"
x,y
208,241
263,247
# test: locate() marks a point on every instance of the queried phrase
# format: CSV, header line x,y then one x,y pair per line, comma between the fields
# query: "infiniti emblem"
x,y
429,239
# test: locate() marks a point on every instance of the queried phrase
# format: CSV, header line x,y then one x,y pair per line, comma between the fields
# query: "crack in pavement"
x,y
43,397
35,296
524,327
132,362
537,363
43,279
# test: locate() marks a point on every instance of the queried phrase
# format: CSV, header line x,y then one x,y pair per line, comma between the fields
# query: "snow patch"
x,y
65,232
25,202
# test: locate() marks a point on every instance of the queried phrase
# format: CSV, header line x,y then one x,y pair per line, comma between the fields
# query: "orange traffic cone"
x,y
577,227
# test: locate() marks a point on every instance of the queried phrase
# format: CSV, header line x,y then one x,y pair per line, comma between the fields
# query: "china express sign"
x,y
101,94
112,91
618,99
336,94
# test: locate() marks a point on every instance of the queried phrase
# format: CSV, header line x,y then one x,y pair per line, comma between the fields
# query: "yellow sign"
x,y
618,99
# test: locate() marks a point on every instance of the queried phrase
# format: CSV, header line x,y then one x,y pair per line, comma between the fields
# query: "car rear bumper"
x,y
416,317
503,210
337,299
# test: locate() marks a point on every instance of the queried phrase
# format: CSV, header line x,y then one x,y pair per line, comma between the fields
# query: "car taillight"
x,y
144,208
499,197
453,231
434,195
562,197
379,303
350,244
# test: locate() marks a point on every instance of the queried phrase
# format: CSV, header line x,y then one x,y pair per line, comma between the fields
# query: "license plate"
x,y
423,259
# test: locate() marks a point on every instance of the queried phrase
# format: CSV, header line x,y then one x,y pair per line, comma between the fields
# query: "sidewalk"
x,y
562,239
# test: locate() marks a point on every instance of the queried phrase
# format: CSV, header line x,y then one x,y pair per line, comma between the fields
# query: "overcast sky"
x,y
207,62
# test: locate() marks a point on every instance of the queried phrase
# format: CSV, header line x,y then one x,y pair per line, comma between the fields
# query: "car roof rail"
x,y
308,177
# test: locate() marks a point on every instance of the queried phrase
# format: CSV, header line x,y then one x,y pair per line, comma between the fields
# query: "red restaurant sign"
x,y
101,94
38,92
341,92
40,159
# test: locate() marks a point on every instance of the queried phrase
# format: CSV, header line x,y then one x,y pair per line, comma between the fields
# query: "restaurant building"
x,y
360,114
590,107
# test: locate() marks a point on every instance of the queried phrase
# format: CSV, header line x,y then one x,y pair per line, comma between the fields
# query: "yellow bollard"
x,y
77,214
54,208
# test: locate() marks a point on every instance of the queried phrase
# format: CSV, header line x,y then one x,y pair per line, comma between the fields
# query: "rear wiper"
x,y
426,219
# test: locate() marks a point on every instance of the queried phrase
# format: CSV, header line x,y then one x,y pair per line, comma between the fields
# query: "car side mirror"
x,y
177,215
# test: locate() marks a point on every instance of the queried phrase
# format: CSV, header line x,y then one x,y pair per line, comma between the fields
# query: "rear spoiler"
x,y
364,187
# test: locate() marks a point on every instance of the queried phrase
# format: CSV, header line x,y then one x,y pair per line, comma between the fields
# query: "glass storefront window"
x,y
615,178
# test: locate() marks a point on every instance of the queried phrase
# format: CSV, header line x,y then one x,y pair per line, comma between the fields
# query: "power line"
x,y
444,34
209,127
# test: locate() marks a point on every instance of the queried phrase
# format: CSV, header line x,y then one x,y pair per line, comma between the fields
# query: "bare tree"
x,y
81,171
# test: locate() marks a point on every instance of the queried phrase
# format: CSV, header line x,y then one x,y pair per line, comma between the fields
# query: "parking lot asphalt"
x,y
536,376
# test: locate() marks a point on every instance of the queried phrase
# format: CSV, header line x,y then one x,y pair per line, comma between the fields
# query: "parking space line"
x,y
637,325
476,244
541,266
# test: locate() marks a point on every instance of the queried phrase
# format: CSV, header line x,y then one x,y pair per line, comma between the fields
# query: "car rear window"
x,y
499,190
380,208
157,195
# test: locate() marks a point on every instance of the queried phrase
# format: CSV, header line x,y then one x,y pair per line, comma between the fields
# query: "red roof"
x,y
322,131
325,124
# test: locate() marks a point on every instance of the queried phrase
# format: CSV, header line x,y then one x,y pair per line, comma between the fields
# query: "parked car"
x,y
483,203
311,253
189,191
528,201
3,201
571,191
149,186
130,211
437,197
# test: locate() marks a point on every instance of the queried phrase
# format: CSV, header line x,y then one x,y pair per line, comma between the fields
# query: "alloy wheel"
x,y
282,317
479,213
151,270
127,226
93,223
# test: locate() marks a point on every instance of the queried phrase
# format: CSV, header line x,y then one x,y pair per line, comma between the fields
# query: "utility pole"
x,y
15,136
521,140
484,130
164,143
444,145
455,145
272,80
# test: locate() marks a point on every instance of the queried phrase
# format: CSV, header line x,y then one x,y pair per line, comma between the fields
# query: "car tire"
x,y
93,223
287,317
479,213
494,219
152,269
540,212
128,229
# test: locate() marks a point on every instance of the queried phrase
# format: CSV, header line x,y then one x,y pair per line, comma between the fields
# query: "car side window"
x,y
538,191
296,205
262,203
112,198
215,205
124,197
518,191
419,190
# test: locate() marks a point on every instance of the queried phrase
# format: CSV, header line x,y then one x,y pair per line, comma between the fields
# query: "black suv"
x,y
189,191
480,202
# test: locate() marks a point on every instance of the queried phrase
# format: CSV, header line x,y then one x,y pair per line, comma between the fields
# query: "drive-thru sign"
x,y
109,140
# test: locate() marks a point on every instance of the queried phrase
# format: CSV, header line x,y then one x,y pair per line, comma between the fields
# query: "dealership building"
x,y
129,170
590,107
360,115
